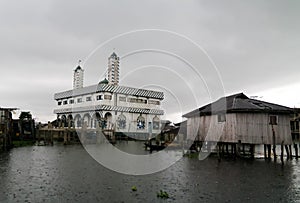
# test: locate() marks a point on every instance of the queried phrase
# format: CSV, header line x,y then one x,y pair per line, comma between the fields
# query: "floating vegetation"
x,y
133,188
23,143
163,194
191,155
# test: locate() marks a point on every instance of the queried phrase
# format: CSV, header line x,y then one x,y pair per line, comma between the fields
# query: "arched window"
x,y
140,122
122,122
77,121
155,123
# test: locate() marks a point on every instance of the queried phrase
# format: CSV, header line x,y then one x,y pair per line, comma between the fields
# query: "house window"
x,y
79,100
72,101
122,122
107,97
140,122
273,120
99,97
88,98
123,99
221,118
154,102
65,102
59,103
135,100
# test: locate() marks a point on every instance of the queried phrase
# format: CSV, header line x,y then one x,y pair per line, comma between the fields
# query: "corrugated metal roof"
x,y
239,103
109,108
109,88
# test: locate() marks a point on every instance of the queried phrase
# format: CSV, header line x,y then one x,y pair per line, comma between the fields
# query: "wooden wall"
x,y
251,128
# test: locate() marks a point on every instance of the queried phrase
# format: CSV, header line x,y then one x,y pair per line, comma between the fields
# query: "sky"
x,y
194,51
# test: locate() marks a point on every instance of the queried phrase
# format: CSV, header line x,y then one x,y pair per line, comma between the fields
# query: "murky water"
x,y
68,174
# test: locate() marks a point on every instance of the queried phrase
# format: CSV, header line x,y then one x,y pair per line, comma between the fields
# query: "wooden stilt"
x,y
274,152
282,150
274,143
252,149
243,148
227,152
223,150
290,150
219,151
265,151
269,151
287,152
232,150
296,150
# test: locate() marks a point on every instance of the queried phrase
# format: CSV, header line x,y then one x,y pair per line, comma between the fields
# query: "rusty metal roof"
x,y
239,103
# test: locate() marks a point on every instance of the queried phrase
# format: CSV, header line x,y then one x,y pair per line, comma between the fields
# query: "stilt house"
x,y
240,119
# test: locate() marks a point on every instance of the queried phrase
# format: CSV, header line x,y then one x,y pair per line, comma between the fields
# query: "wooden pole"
x,y
287,152
269,151
227,152
290,150
252,149
234,149
282,150
296,150
274,144
219,151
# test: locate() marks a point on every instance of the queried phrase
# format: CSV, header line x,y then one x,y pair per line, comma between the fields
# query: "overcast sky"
x,y
254,46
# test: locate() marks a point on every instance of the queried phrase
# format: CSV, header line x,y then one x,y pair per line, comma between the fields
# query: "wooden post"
x,y
234,149
282,150
274,145
243,148
291,154
296,150
265,151
252,149
287,152
219,151
227,152
223,151
269,151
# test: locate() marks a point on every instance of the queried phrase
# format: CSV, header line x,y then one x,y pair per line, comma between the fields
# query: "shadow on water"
x,y
69,174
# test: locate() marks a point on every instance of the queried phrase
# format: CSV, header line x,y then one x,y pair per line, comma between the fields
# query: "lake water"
x,y
68,174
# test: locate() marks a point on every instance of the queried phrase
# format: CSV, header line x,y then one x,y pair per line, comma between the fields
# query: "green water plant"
x,y
133,188
163,194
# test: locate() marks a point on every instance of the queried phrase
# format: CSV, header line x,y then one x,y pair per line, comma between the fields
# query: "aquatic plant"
x,y
133,188
163,194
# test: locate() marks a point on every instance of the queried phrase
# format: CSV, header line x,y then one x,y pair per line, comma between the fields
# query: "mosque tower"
x,y
113,69
78,77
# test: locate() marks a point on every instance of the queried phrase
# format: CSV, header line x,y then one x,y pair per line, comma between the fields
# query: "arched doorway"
x,y
70,121
108,120
86,120
77,121
96,119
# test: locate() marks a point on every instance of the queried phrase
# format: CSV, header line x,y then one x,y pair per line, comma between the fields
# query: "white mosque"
x,y
109,105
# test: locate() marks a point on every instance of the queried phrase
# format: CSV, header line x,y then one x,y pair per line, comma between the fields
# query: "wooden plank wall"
x,y
251,128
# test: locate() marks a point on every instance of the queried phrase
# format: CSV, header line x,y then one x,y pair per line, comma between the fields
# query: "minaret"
x,y
113,69
78,77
